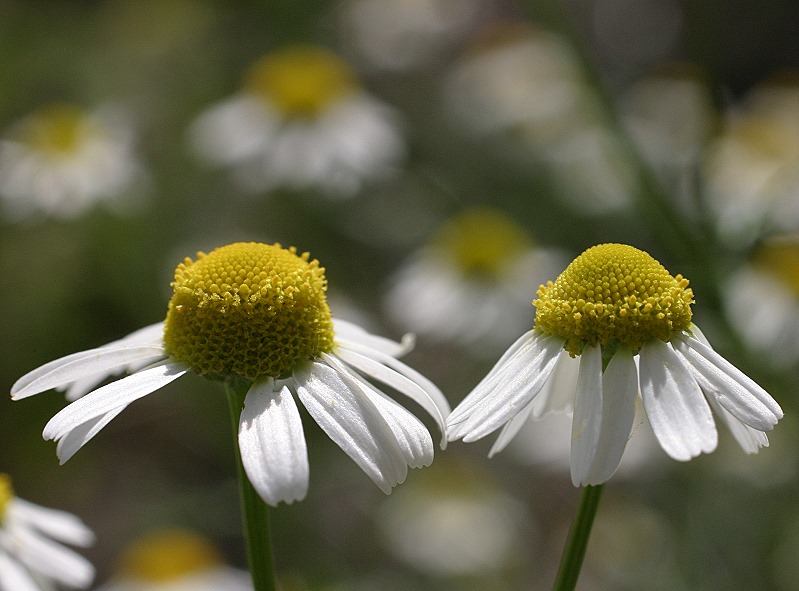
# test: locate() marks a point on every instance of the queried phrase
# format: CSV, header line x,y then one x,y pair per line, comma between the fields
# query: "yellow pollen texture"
x,y
248,309
614,294
301,81
482,242
6,494
57,129
167,555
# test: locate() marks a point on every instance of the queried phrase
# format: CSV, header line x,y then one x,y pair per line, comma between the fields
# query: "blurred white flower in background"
x,y
402,34
175,560
61,160
471,283
301,121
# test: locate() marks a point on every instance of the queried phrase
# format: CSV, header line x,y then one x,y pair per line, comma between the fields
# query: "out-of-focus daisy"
x,y
471,283
762,300
751,169
256,314
302,121
61,160
31,555
629,321
525,87
175,560
400,34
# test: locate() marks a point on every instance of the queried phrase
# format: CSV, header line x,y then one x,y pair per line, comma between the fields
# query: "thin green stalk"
x,y
254,512
573,553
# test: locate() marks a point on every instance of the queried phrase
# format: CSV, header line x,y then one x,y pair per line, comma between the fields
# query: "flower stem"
x,y
574,551
254,512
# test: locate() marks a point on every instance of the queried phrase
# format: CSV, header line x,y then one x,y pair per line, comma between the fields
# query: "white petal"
x,y
112,396
70,443
60,525
77,366
402,378
511,428
750,440
350,419
587,418
557,395
619,395
674,404
734,391
13,577
347,331
53,560
272,444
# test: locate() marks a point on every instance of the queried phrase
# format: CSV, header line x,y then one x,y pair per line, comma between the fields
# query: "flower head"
x,y
257,314
302,121
31,559
629,322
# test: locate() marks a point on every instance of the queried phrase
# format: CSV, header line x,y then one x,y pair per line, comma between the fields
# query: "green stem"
x,y
574,551
255,513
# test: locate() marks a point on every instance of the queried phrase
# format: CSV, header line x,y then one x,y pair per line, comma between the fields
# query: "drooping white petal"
x,y
523,378
61,372
674,404
510,430
619,395
587,418
352,421
53,560
557,395
402,378
14,576
59,525
70,443
272,444
112,396
750,439
733,389
352,333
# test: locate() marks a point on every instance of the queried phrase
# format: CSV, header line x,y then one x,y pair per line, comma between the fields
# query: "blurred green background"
x,y
657,178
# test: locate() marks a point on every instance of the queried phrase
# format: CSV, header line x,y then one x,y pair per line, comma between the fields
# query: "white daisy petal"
x,y
14,577
619,393
272,444
510,429
59,525
77,366
587,419
750,440
53,560
352,421
735,391
674,404
557,395
70,443
112,396
347,331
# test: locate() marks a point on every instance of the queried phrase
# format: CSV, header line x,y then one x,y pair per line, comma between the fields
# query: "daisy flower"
x,y
471,283
175,560
61,160
629,322
256,315
302,121
31,557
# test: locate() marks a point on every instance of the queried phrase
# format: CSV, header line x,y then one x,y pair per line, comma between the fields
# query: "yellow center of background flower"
x,y
616,295
167,555
301,81
248,309
6,494
57,129
780,258
481,242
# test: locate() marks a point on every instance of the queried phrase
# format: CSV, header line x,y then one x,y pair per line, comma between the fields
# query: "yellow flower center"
x,y
301,81
614,295
481,242
167,555
6,494
780,258
248,309
57,130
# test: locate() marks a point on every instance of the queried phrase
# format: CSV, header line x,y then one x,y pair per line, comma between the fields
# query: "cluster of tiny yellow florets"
x,y
166,556
248,309
6,494
614,294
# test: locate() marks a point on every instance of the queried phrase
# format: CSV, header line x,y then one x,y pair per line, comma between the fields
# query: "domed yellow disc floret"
x,y
614,294
248,309
167,555
6,494
481,241
301,81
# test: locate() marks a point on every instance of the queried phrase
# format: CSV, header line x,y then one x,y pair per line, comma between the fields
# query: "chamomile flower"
x,y
31,555
302,121
175,560
471,283
629,322
256,314
61,160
